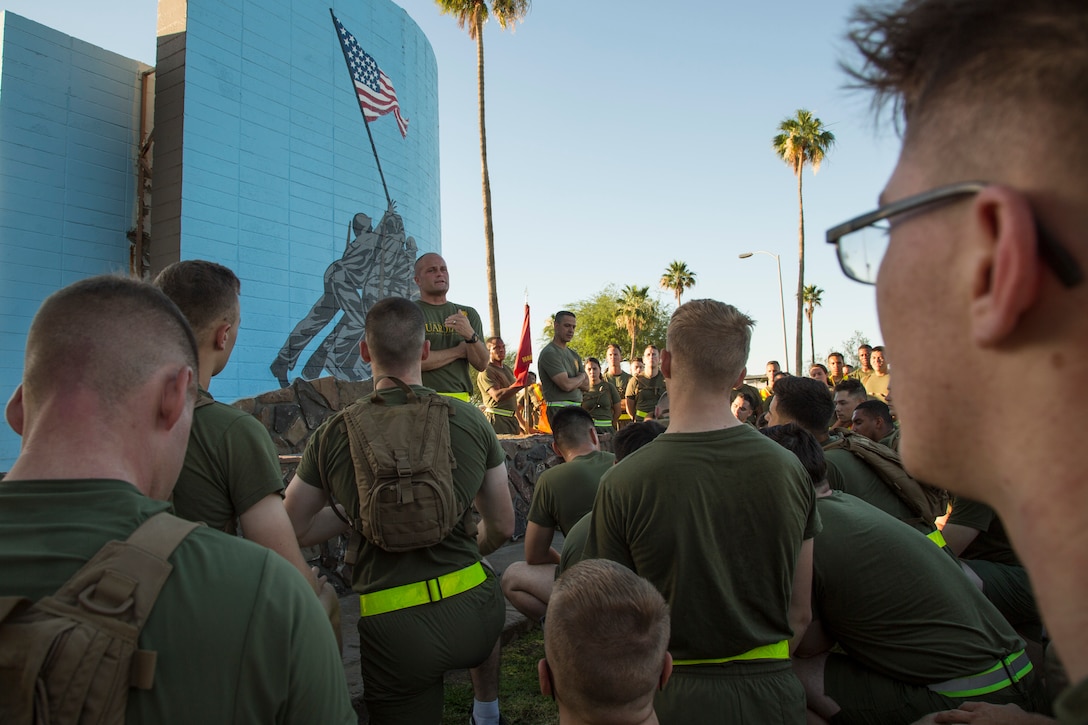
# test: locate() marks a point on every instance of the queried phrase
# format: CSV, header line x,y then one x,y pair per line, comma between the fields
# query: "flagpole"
x,y
369,135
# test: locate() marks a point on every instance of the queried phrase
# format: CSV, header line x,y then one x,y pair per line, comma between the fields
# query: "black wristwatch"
x,y
474,339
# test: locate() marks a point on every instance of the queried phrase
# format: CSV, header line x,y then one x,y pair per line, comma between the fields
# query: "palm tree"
x,y
678,278
813,295
471,16
633,312
802,139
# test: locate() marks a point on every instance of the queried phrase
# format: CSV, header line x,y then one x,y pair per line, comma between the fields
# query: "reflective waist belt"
x,y
500,411
937,538
624,416
643,414
460,396
776,651
1012,669
560,403
425,592
602,423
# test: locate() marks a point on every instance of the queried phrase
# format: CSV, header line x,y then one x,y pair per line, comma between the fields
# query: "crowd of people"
x,y
782,554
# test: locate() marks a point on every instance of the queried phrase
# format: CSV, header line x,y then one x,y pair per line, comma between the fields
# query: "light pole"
x,y
781,301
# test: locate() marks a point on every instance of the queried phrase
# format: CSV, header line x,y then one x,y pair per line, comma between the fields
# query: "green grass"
x,y
519,691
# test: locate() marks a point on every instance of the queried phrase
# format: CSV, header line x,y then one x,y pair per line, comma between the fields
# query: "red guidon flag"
x,y
525,350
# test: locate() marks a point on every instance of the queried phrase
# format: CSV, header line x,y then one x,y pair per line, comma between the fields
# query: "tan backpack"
x,y
403,470
925,501
71,657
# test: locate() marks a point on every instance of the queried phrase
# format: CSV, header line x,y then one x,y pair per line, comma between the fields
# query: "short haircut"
x,y
571,426
806,401
205,292
1009,59
634,436
802,444
747,396
877,409
419,262
655,348
492,340
614,345
606,639
839,355
818,365
106,334
878,348
865,346
775,363
394,332
709,341
562,313
852,387
593,360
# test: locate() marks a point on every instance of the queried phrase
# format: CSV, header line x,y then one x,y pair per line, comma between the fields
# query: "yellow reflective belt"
x,y
500,411
1012,669
642,414
624,416
602,423
776,651
560,403
460,396
937,538
431,590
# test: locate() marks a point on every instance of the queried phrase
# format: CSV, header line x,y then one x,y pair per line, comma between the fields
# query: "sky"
x,y
623,135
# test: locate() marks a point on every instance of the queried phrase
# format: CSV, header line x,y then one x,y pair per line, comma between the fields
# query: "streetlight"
x,y
781,301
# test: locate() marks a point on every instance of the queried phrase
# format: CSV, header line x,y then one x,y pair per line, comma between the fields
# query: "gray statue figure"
x,y
375,264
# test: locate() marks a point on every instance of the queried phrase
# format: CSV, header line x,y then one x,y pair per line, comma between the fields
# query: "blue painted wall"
x,y
69,119
276,160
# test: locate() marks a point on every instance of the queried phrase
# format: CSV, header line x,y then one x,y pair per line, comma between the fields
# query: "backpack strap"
x,y
122,582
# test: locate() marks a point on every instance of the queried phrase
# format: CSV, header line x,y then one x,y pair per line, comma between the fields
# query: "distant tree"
x,y
471,16
802,140
597,328
849,347
634,313
677,278
813,299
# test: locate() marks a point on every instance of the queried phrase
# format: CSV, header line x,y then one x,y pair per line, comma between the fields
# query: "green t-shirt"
x,y
897,603
846,472
619,381
1071,707
230,465
715,521
476,449
574,543
240,636
599,402
455,377
496,376
564,493
646,392
878,385
554,360
992,542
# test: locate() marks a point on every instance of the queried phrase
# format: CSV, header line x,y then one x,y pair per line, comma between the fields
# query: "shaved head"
x,y
106,334
394,333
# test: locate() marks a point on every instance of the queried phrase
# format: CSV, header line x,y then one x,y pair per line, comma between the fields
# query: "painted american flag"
x,y
372,87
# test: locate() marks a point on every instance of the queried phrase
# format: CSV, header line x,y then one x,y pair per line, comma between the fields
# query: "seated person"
x,y
605,646
913,634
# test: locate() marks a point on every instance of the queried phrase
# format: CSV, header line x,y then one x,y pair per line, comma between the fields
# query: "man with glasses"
x,y
985,219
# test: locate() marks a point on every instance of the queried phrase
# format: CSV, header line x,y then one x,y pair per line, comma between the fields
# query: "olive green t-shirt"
x,y
230,465
564,493
715,521
455,377
878,385
574,543
846,472
499,376
554,360
992,542
599,401
646,392
896,602
476,450
619,381
239,634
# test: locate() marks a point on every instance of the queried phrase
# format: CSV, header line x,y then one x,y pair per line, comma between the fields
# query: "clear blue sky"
x,y
622,136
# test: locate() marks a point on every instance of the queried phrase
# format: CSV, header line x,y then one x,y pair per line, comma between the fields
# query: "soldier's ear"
x,y
426,350
364,351
221,334
666,363
14,411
